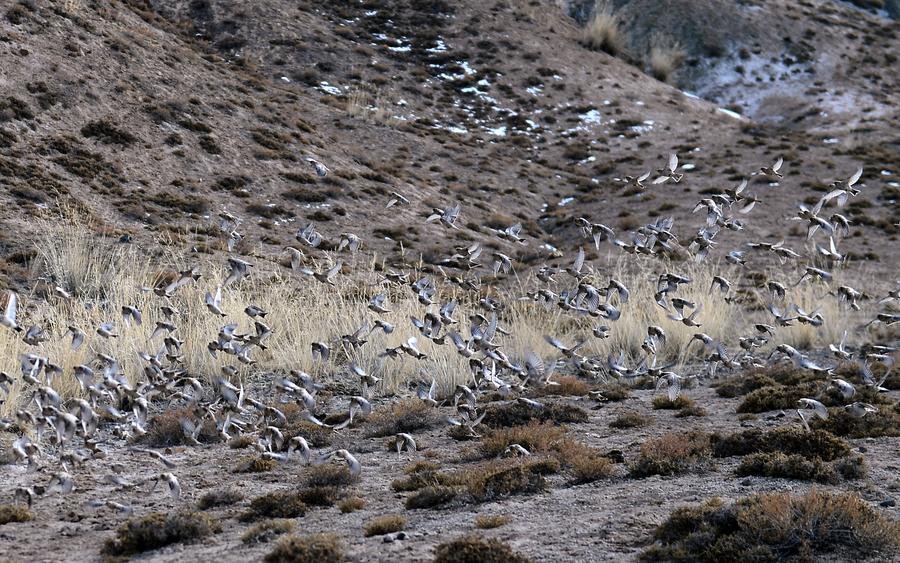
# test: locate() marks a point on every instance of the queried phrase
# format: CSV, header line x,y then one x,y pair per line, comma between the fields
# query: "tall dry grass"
x,y
603,31
103,276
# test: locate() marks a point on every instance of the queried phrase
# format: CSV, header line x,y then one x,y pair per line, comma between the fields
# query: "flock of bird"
x,y
59,435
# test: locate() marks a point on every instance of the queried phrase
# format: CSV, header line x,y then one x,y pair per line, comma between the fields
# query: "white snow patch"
x,y
565,201
333,90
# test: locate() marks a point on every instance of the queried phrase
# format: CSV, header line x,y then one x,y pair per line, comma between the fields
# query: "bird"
x,y
843,189
214,302
396,199
774,170
321,169
668,172
238,270
9,317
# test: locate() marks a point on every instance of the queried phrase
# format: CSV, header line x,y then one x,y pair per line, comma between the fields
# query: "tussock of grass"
x,y
267,530
157,530
351,504
486,522
223,497
316,436
12,513
406,416
474,549
430,497
567,386
614,392
793,466
603,32
672,454
776,397
517,414
278,504
693,410
255,465
776,527
665,58
316,548
788,440
241,442
533,436
663,402
630,419
164,429
386,524
321,495
330,475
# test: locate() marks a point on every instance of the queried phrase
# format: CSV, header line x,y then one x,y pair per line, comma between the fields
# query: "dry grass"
x,y
474,549
386,524
107,275
351,504
517,414
777,527
307,549
12,513
631,419
267,530
489,522
665,57
224,497
603,31
278,504
404,416
672,454
157,530
331,475
255,465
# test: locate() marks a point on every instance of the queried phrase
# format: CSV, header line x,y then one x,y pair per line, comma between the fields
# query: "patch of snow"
x,y
688,166
285,79
439,48
534,90
886,173
592,116
730,113
497,131
831,141
565,201
690,95
333,90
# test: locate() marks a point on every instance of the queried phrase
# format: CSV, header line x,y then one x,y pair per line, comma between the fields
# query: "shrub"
x,y
587,466
330,475
431,496
405,416
665,58
351,504
107,133
223,497
317,436
776,527
384,525
255,465
673,453
485,522
164,429
157,530
793,466
788,440
533,437
318,548
630,419
875,425
473,549
740,385
267,530
517,414
320,495
602,32
12,513
663,402
614,392
278,504
775,397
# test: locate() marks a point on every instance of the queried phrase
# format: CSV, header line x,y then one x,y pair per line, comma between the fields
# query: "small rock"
x,y
746,482
888,503
395,536
616,456
863,449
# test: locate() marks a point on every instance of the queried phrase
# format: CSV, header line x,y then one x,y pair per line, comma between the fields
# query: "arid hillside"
x,y
154,116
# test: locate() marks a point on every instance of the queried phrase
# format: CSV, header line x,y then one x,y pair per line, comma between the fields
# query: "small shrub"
x,y
107,133
534,437
405,416
630,419
431,496
740,385
157,530
876,425
776,527
267,530
384,525
164,430
317,436
255,465
241,442
614,392
12,513
517,414
492,484
793,466
485,522
788,440
673,453
693,410
665,58
223,497
278,504
473,549
589,465
330,475
351,504
320,495
663,402
318,548
776,397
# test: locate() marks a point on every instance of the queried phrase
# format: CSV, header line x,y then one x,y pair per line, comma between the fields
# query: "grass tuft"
x,y
12,513
672,454
474,549
156,530
316,548
384,525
